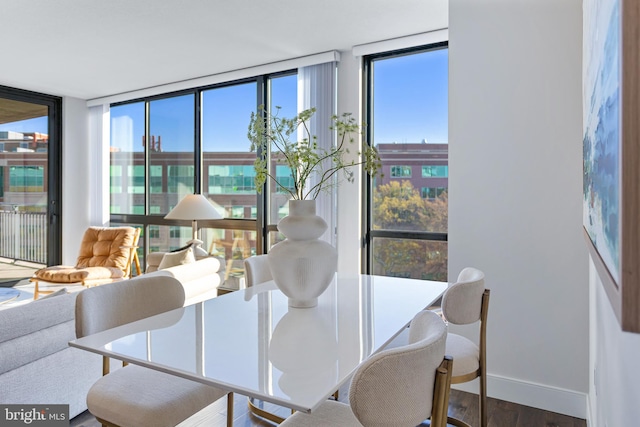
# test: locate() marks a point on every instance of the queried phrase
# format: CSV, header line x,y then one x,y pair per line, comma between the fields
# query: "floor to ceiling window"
x,y
197,142
405,228
30,186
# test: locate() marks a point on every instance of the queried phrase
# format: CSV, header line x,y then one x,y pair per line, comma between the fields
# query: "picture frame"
x,y
611,151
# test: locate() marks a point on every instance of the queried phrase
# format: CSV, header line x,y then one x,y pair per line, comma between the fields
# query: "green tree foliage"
x,y
398,206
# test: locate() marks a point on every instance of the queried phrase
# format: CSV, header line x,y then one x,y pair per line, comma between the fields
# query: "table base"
x,y
262,413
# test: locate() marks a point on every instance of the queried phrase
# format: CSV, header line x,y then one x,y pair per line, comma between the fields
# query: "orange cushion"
x,y
101,247
68,274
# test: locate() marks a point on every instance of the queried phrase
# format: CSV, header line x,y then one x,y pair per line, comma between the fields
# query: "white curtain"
x,y
99,159
317,88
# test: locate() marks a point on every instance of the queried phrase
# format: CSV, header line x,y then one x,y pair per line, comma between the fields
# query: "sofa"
x,y
37,366
200,278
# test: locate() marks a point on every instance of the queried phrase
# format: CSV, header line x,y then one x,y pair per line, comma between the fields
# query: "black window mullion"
x,y
367,182
262,201
198,176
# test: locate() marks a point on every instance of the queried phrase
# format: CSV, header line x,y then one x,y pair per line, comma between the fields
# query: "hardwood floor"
x,y
462,405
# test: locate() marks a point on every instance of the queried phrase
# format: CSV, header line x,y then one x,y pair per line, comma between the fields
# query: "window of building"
x,y
135,174
237,211
432,192
174,232
405,229
232,179
435,171
115,179
285,178
180,180
26,179
155,179
154,232
400,171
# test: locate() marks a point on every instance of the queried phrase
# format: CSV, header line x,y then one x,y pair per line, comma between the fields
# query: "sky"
x,y
39,124
226,114
410,98
410,101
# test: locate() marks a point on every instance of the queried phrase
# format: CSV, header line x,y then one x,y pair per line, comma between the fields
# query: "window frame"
x,y
259,224
368,233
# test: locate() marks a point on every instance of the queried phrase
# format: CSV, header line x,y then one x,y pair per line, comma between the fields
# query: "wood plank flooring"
x,y
462,405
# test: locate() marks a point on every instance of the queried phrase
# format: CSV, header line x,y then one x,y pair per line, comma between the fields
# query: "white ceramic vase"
x,y
302,265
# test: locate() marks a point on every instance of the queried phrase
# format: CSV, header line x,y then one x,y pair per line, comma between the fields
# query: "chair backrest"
x,y
114,304
108,247
256,270
396,386
463,301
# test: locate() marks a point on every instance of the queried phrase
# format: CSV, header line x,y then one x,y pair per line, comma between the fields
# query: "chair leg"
x,y
483,400
36,290
456,422
137,263
230,409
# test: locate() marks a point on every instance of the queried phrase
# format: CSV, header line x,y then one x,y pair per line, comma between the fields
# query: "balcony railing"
x,y
23,235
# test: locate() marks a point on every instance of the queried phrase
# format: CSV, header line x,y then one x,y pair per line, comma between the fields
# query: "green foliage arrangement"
x,y
304,157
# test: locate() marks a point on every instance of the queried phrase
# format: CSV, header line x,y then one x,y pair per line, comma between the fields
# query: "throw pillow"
x,y
188,245
172,259
61,291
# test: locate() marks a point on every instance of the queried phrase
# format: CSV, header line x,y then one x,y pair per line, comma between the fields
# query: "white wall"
x,y
76,176
515,210
615,385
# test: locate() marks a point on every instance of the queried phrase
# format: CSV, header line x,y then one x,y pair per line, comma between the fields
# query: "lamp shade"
x,y
194,207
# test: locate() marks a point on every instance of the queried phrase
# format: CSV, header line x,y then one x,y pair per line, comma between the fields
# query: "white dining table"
x,y
252,343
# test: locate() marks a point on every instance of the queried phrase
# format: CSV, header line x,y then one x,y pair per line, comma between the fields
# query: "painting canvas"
x,y
611,100
602,135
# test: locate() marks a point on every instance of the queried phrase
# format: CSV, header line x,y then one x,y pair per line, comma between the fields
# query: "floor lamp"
x,y
194,207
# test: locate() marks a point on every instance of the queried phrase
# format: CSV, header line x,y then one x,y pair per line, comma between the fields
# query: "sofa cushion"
x,y
106,247
172,259
198,279
35,330
68,274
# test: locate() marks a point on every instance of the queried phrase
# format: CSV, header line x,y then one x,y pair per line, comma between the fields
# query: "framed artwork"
x,y
611,150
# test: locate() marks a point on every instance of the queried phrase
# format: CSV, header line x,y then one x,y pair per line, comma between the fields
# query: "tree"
x,y
398,206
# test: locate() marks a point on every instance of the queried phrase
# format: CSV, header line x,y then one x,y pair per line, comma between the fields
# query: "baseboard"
x,y
549,398
590,418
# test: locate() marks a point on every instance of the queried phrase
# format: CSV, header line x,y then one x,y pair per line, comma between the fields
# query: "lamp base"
x,y
198,252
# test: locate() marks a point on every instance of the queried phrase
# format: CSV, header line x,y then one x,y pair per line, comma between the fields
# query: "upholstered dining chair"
x,y
133,395
256,270
106,255
402,386
466,302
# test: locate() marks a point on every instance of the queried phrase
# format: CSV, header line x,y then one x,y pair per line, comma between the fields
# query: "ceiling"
x,y
92,48
14,111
